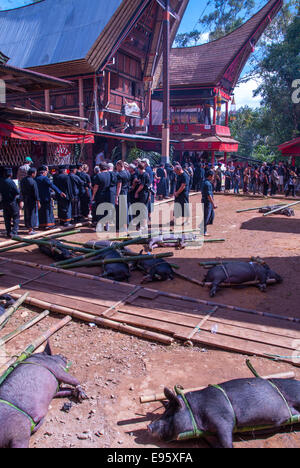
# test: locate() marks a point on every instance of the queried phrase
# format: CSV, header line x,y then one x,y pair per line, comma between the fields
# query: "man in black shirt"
x,y
31,198
181,207
10,197
64,205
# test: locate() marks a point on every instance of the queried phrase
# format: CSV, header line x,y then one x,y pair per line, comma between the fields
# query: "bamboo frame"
x,y
13,363
103,322
162,293
161,396
45,233
11,310
5,339
281,208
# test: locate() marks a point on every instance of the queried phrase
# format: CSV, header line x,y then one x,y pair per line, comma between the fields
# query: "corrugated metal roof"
x,y
53,31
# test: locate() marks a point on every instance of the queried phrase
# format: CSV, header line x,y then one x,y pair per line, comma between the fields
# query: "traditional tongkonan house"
x,y
28,132
202,80
291,149
110,50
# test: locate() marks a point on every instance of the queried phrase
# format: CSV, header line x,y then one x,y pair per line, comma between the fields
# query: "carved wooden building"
x,y
203,79
110,50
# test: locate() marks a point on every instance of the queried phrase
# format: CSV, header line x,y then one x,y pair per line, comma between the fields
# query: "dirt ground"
x,y
116,369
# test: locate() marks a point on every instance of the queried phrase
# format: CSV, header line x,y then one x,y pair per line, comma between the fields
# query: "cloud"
x,y
244,94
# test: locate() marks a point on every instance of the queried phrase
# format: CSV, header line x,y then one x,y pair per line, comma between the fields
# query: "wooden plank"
x,y
207,325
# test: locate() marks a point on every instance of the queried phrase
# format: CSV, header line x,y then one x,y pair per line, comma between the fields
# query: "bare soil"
x,y
116,369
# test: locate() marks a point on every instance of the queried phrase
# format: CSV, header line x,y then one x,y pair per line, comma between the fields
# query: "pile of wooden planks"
x,y
153,314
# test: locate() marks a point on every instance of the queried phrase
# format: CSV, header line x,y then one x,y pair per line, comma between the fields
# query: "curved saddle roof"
x,y
55,31
220,62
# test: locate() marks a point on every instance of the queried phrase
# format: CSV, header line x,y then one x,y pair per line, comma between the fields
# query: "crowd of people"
x,y
80,196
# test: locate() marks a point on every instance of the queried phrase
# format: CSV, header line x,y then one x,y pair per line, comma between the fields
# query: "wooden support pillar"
x,y
225,158
293,161
81,100
47,100
166,85
215,111
212,158
227,114
124,150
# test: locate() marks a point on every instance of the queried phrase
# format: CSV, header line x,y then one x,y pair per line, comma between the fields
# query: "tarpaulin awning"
x,y
47,133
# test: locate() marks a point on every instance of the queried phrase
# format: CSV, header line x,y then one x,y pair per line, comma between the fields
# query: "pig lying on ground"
x,y
55,250
239,273
6,301
171,240
242,403
26,394
285,211
156,269
114,271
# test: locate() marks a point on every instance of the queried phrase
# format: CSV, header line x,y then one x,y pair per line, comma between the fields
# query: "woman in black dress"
x,y
121,200
142,195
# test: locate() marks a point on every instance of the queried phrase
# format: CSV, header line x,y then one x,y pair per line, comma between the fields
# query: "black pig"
x,y
54,249
156,269
30,389
114,271
245,403
239,273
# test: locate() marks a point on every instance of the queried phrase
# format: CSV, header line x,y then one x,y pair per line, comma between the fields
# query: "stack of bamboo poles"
x,y
158,315
9,366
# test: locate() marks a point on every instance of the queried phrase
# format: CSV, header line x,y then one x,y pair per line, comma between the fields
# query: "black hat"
x,y
42,168
72,167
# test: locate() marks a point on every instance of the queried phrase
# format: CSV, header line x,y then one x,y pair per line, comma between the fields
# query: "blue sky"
x,y
244,93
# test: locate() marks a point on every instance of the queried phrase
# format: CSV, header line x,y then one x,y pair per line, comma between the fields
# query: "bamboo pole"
x,y
161,396
281,208
188,341
5,339
103,322
117,260
19,286
19,246
13,363
45,233
253,209
162,293
97,252
11,310
46,242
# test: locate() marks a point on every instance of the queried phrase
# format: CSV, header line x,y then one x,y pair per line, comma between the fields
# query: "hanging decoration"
x,y
233,110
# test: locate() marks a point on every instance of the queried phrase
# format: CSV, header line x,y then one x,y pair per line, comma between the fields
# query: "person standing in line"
x,y
86,194
30,197
11,204
181,202
121,199
45,188
142,195
23,170
78,191
64,205
208,201
101,193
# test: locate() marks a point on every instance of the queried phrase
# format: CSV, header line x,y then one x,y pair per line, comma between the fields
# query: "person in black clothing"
x,y
64,205
142,194
11,204
78,191
121,200
181,207
86,196
208,200
101,193
31,199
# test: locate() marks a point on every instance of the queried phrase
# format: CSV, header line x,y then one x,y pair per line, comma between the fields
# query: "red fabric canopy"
x,y
42,134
